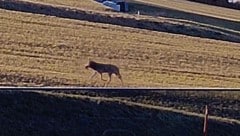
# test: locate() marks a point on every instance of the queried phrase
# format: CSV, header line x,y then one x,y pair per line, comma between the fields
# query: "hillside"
x,y
158,52
210,17
170,44
193,25
196,8
45,45
39,113
234,4
83,4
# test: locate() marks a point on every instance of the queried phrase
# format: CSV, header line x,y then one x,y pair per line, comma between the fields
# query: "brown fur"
x,y
104,68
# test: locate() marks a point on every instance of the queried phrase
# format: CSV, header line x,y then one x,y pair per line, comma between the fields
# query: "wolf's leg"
x,y
102,77
120,77
94,74
109,80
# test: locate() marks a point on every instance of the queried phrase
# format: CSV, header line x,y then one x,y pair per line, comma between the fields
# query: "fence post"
x,y
205,121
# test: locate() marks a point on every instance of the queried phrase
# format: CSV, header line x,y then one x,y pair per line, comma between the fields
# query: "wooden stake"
x,y
205,121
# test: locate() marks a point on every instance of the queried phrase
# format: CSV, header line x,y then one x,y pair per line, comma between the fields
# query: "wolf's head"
x,y
90,64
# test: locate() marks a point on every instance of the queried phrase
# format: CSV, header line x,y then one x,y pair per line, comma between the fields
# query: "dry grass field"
x,y
181,5
214,17
42,50
83,4
197,8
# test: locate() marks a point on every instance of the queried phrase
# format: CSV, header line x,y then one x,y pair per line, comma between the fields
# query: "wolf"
x,y
104,68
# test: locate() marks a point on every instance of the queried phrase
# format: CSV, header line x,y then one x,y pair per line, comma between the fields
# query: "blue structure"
x,y
112,4
117,5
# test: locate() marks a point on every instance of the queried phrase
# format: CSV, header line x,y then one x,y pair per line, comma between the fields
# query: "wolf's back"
x,y
111,68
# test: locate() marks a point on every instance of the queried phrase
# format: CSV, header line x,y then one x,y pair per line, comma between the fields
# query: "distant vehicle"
x,y
117,5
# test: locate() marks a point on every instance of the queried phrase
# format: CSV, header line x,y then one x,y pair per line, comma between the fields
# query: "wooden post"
x,y
205,121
